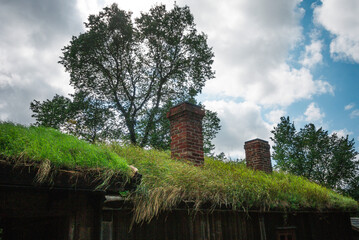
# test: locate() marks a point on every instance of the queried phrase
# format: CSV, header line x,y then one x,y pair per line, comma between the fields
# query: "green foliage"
x,y
166,183
313,153
51,113
39,144
134,68
211,126
127,74
85,117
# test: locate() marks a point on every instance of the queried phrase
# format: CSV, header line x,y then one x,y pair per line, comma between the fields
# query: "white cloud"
x,y
354,113
342,132
240,122
349,106
251,41
281,85
340,17
275,115
30,43
312,55
87,7
313,113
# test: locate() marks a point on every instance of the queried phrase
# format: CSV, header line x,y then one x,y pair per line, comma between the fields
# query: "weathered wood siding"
x,y
228,225
49,214
311,226
179,225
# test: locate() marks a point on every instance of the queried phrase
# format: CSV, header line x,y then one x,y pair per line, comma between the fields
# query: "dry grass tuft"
x,y
43,171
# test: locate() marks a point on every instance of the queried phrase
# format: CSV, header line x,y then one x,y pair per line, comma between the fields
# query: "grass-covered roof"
x,y
48,149
166,182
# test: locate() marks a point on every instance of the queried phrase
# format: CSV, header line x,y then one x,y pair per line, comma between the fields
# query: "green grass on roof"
x,y
166,183
38,144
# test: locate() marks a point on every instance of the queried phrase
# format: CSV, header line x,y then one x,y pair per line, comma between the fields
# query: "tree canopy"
x,y
313,153
129,72
137,66
87,119
82,116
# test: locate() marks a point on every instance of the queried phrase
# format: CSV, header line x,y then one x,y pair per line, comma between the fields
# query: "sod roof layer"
x,y
166,183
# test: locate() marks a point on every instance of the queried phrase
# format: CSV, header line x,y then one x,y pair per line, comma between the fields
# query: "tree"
x,y
136,68
127,74
313,153
211,126
88,119
51,113
84,117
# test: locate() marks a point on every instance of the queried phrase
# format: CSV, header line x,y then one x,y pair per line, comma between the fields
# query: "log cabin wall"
x,y
179,225
229,225
49,214
310,225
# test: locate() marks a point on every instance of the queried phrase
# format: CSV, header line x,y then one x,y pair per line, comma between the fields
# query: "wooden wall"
x,y
227,225
69,215
311,226
49,214
179,225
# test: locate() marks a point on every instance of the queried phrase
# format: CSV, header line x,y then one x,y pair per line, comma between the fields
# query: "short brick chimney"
x,y
186,132
258,155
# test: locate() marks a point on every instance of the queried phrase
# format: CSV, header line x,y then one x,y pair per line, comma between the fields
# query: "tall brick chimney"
x,y
186,132
258,155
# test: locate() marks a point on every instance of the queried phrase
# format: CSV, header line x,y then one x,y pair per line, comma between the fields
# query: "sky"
x,y
272,58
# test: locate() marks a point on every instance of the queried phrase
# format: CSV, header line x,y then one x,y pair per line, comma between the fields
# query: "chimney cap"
x,y
256,140
186,107
187,103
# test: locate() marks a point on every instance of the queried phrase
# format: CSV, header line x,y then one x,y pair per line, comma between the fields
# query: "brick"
x,y
258,155
186,132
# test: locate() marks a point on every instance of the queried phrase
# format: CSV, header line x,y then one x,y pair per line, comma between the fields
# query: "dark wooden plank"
x,y
227,225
